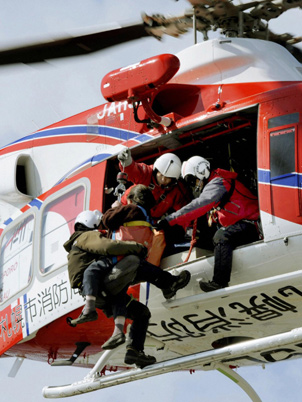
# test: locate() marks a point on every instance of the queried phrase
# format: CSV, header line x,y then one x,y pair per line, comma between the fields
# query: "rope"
x,y
193,240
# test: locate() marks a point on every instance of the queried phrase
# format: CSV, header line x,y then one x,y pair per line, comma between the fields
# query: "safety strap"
x,y
162,196
137,223
212,215
144,212
226,198
151,186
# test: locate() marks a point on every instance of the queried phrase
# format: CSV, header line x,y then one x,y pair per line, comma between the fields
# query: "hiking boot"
x,y
138,358
210,286
180,282
92,316
114,341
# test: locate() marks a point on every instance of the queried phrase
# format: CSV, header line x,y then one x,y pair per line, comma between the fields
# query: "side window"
x,y
282,152
16,258
57,225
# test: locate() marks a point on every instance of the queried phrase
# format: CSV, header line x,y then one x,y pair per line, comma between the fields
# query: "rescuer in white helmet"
x,y
162,178
231,209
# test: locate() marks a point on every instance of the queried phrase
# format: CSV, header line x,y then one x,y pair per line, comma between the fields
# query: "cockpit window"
x,y
16,258
57,225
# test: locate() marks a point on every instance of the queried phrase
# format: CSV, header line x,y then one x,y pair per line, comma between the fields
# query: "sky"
x,y
35,96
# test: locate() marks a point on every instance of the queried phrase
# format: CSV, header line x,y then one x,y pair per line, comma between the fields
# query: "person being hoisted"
x,y
104,282
132,222
230,205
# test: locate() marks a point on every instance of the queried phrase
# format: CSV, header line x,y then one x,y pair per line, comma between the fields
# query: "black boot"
x,y
210,286
138,358
180,282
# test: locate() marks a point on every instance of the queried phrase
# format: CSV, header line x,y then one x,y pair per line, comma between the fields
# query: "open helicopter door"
x,y
279,165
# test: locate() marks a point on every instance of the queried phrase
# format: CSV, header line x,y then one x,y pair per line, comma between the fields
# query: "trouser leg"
x,y
140,315
119,303
147,272
122,274
93,277
225,240
223,253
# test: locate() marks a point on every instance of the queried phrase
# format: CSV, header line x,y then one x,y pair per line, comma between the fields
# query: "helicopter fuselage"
x,y
236,102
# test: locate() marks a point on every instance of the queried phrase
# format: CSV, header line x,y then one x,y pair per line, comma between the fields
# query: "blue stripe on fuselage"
x,y
107,131
293,180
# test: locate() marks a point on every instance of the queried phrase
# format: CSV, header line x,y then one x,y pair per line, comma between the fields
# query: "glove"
x,y
119,190
163,224
143,252
125,157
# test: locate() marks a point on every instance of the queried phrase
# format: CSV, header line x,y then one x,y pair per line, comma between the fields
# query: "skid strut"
x,y
199,361
80,347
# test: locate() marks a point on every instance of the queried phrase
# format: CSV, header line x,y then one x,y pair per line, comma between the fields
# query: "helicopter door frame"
x,y
279,167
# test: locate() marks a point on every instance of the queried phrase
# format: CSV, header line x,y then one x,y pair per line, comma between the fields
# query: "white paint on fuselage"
x,y
234,61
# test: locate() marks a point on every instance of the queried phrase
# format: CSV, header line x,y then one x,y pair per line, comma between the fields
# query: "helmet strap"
x,y
197,190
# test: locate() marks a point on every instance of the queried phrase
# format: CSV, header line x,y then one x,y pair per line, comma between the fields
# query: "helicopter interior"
x,y
229,143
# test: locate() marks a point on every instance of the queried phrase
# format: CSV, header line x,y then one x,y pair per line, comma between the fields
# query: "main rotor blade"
x,y
296,52
73,46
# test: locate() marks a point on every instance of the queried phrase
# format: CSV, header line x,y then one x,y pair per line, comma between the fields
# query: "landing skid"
x,y
203,360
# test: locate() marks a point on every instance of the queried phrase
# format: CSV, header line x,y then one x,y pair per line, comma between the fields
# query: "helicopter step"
x,y
244,288
80,347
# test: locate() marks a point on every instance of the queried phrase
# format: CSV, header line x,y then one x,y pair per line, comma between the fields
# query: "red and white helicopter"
x,y
235,101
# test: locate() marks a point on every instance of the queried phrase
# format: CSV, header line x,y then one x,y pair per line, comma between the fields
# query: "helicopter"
x,y
222,122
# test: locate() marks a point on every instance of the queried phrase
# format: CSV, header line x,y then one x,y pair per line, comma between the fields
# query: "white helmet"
x,y
90,219
196,166
169,165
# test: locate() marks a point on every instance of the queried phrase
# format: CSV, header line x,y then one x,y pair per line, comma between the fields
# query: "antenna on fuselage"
x,y
194,26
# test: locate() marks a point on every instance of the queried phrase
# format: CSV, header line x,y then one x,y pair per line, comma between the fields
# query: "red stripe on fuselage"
x,y
282,202
64,139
